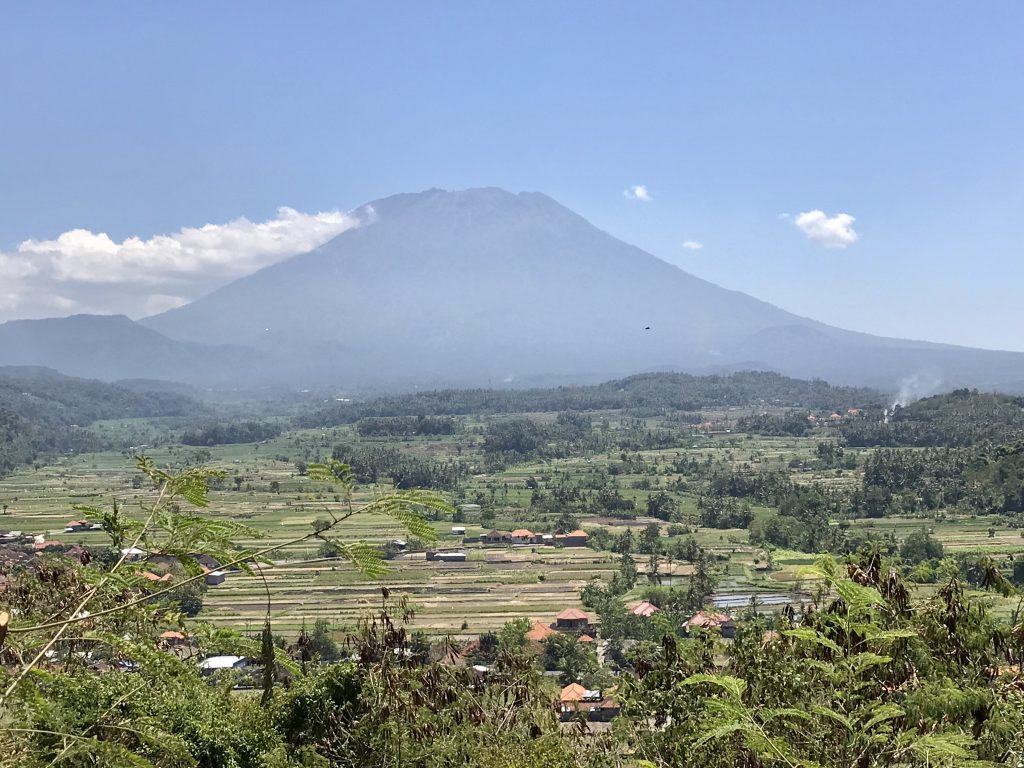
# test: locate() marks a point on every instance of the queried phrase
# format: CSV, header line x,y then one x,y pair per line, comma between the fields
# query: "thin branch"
x,y
77,613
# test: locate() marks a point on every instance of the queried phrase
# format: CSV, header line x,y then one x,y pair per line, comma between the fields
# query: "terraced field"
x,y
493,586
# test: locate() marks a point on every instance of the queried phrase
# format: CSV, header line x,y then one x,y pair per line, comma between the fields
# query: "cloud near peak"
x,y
233,249
831,232
638,192
92,272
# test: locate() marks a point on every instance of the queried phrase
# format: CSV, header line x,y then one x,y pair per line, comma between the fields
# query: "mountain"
x,y
111,347
43,412
485,286
45,396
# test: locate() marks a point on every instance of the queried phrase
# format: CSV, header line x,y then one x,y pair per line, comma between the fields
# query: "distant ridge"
x,y
481,287
111,347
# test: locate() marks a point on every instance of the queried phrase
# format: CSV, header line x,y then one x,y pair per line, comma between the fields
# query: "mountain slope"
x,y
43,412
485,285
111,347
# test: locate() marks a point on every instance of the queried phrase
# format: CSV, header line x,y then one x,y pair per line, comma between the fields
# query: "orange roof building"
x,y
572,618
572,692
644,609
538,632
571,614
712,620
708,619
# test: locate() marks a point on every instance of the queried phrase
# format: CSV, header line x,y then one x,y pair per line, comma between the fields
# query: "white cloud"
x,y
834,232
232,250
693,245
15,267
85,271
638,192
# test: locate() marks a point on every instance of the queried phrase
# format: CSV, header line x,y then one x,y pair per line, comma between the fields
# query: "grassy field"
x,y
495,584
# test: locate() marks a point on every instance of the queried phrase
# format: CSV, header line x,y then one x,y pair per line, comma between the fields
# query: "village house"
x,y
721,622
523,536
213,578
575,699
538,633
458,530
496,537
173,639
208,561
572,619
77,526
644,609
75,551
575,538
447,557
215,664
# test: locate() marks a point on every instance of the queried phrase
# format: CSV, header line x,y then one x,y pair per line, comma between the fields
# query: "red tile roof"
x,y
539,631
572,534
523,532
708,620
171,635
644,609
570,614
572,692
586,639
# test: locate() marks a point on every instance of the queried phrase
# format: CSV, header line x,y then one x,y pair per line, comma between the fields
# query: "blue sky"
x,y
139,119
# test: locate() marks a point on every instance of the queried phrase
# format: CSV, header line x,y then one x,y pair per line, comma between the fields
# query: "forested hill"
x,y
43,412
960,418
644,394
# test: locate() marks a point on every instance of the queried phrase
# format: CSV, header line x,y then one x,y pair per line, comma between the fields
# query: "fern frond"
x,y
733,686
404,506
804,633
364,557
333,472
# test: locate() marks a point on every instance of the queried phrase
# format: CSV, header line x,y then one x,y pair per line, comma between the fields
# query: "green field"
x,y
462,599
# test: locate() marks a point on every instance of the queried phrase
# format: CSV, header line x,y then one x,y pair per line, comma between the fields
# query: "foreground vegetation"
x,y
866,675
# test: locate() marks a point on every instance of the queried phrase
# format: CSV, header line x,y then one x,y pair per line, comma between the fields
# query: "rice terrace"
x,y
266,490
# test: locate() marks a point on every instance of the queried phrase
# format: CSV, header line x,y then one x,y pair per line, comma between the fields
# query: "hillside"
x,y
957,419
44,412
648,394
111,347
